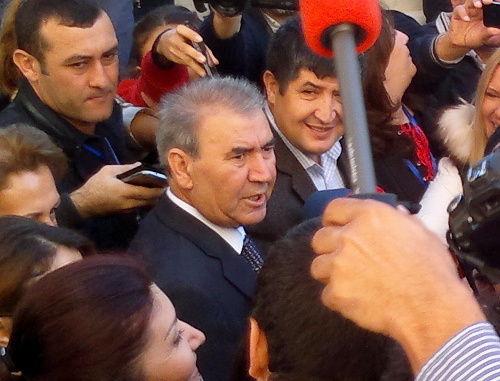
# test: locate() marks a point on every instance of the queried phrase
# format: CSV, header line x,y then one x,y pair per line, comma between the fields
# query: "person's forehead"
x,y
163,309
37,187
306,76
227,123
63,40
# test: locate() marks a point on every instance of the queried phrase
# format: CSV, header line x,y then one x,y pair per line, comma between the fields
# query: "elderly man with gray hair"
x,y
218,149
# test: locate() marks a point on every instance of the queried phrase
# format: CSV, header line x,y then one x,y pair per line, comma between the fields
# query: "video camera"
x,y
474,223
236,7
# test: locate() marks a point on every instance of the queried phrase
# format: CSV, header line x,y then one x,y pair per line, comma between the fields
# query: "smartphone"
x,y
491,14
144,176
201,47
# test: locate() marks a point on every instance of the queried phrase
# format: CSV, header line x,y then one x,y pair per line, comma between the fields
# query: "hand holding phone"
x,y
144,176
208,65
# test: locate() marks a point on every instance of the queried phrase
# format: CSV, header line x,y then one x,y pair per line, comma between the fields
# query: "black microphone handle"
x,y
356,128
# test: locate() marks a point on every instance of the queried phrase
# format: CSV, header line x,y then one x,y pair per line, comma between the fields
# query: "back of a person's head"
x,y
27,250
85,321
288,54
306,340
24,148
32,14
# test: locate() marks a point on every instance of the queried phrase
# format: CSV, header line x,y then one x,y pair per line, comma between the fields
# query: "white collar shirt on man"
x,y
324,176
233,236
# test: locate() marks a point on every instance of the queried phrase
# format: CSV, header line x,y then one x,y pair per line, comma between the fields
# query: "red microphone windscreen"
x,y
319,15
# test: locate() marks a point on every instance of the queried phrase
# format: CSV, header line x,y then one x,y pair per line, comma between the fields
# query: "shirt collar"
x,y
233,236
273,24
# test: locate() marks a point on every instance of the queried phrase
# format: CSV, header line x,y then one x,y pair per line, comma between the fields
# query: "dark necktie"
x,y
251,254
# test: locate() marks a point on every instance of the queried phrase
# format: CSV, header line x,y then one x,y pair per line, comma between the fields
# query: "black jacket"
x,y
108,232
210,285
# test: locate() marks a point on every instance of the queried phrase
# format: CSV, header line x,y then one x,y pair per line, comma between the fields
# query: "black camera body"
x,y
474,223
236,7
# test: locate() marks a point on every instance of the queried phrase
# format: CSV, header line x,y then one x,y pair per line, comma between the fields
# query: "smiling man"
x,y
218,148
305,112
67,54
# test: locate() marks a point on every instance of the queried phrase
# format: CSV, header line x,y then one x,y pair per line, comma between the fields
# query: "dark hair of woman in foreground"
x,y
100,319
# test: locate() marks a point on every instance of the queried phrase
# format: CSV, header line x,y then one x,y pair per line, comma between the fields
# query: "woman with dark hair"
x,y
404,163
28,251
100,319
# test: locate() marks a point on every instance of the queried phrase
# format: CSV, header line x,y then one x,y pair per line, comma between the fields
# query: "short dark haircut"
x,y
25,148
32,14
27,249
288,54
88,320
306,340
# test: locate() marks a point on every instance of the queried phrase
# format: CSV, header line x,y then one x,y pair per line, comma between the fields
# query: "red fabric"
x,y
423,152
153,81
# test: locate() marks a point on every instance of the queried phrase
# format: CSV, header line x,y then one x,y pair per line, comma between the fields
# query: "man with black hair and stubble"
x,y
67,53
305,113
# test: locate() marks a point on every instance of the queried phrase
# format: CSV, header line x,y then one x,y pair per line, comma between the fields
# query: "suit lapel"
x,y
235,268
287,163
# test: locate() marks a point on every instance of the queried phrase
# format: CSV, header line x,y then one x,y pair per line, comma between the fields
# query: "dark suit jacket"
x,y
285,207
210,285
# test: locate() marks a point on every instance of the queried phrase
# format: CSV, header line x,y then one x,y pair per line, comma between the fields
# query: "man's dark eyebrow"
x,y
243,150
309,83
76,58
270,143
82,57
113,50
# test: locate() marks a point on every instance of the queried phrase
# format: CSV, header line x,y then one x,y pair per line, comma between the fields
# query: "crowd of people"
x,y
218,276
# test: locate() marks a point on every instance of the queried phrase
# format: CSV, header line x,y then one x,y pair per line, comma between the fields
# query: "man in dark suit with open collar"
x,y
304,110
218,148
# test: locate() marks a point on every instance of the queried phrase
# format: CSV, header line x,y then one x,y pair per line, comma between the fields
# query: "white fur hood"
x,y
455,129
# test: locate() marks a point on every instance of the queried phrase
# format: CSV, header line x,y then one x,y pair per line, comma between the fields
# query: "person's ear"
x,y
181,168
259,355
271,85
5,330
27,64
